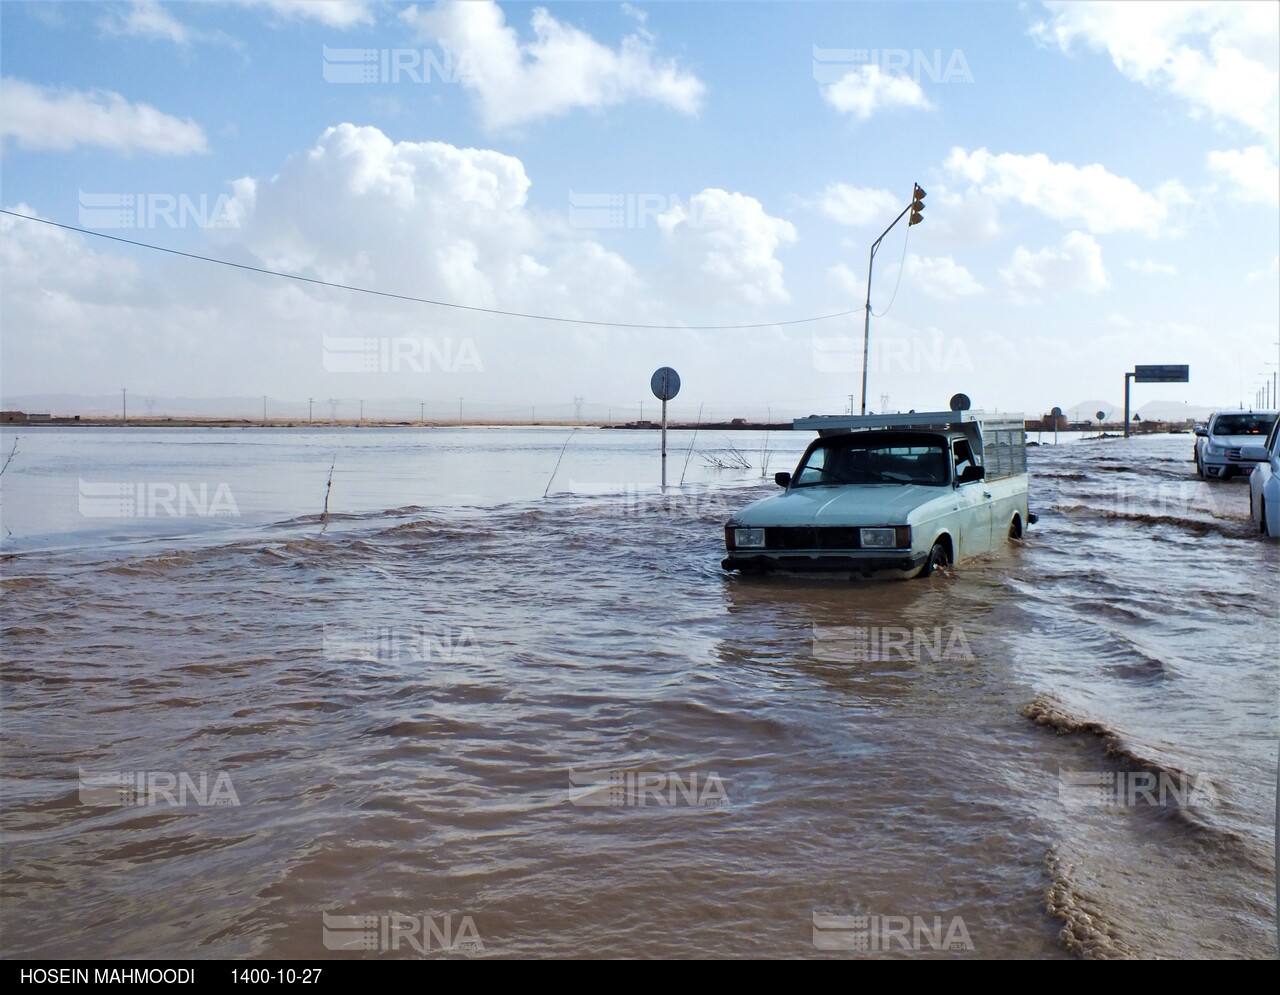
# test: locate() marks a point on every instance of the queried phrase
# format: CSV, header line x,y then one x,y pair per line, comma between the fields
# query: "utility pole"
x,y
361,411
124,405
915,207
264,409
422,412
460,410
310,403
642,410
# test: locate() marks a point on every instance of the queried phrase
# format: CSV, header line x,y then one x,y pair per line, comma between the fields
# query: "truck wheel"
x,y
1199,468
1262,520
937,558
1015,529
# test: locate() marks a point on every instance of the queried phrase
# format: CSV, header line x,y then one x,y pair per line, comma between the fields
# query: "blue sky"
x,y
1102,191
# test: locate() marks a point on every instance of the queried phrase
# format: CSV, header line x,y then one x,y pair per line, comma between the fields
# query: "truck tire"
x,y
938,557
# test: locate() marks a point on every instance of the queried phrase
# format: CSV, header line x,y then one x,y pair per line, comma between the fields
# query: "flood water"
x,y
552,726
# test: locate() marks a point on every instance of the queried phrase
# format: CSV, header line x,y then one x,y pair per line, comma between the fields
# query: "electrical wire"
x,y
423,300
898,283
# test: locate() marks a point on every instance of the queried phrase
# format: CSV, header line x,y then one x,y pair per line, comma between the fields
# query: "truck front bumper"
x,y
792,562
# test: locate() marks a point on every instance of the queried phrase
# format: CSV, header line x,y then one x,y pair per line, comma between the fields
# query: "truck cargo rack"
x,y
1001,437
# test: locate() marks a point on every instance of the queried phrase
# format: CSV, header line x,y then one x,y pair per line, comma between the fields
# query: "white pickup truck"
x,y
1218,443
1264,483
890,496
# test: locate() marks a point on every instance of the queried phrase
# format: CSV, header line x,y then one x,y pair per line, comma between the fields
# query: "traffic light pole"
x,y
916,205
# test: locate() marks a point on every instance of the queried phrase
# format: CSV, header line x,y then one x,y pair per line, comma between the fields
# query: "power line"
x,y
897,283
423,300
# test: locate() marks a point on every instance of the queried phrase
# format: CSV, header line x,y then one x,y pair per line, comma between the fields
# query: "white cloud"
x,y
847,282
1152,267
332,13
1088,196
70,300
858,206
145,18
969,218
1253,173
941,278
867,89
51,118
562,69
1269,274
57,264
1220,58
1073,265
728,241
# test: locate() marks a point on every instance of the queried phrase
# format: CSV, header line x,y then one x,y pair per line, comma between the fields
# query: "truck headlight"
x,y
748,538
1215,449
877,538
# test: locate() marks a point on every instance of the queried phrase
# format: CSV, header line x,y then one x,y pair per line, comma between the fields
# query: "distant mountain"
x,y
1088,411
1174,411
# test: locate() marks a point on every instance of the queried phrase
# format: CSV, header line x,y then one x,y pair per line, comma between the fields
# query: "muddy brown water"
x,y
559,722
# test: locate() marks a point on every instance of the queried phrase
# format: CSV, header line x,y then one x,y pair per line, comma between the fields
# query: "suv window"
x,y
1243,424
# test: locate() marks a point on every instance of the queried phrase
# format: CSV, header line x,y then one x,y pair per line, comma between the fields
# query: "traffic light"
x,y
917,205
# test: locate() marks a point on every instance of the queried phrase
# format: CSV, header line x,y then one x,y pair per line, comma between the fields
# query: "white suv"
x,y
1264,484
1218,444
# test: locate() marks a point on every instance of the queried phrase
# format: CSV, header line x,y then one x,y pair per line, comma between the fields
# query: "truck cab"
x,y
889,495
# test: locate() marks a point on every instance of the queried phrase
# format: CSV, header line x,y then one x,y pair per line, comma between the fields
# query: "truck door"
x,y
975,503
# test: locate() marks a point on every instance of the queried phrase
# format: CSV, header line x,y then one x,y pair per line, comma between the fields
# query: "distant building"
x,y
39,417
13,417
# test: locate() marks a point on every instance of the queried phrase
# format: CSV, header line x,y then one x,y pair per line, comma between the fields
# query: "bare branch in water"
x,y
726,459
557,466
327,488
8,459
691,442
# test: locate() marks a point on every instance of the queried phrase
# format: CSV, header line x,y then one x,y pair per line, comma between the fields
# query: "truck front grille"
x,y
812,537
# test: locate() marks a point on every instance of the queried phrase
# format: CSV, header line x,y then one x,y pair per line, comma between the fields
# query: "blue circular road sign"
x,y
665,383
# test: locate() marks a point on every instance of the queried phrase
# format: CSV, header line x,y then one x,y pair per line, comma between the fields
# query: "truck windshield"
x,y
1243,424
882,458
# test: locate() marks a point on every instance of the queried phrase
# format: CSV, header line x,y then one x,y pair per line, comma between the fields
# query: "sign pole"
x,y
1128,378
665,385
664,447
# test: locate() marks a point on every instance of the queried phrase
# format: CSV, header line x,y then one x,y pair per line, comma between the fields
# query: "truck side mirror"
x,y
782,479
972,473
1202,431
